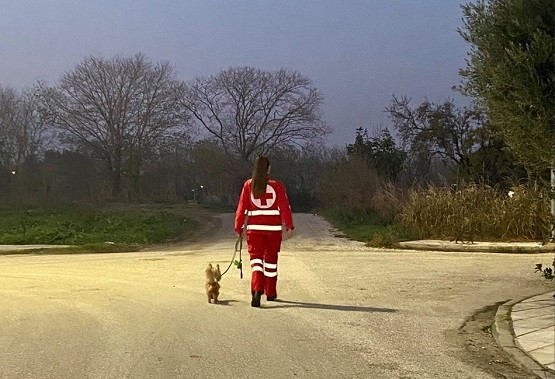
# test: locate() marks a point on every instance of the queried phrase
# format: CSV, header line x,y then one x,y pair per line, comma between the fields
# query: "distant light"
x,y
13,172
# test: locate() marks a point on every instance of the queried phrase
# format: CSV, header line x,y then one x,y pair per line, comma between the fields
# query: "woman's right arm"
x,y
241,209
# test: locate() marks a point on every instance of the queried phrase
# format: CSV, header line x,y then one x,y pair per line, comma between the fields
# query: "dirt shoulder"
x,y
477,346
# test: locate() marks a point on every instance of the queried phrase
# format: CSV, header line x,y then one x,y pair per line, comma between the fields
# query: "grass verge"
x,y
113,228
369,228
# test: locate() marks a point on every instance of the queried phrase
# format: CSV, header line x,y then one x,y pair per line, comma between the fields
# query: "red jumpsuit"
x,y
265,217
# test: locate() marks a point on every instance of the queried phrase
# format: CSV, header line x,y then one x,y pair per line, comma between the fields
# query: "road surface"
x,y
346,311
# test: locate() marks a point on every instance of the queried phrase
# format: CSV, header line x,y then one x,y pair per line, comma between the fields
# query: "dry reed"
x,y
478,212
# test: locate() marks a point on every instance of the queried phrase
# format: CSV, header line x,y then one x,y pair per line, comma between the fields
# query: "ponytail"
x,y
260,176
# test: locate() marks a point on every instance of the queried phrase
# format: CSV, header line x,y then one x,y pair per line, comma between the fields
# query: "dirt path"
x,y
346,311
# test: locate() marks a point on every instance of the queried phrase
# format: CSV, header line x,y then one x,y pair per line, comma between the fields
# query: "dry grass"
x,y
389,201
474,212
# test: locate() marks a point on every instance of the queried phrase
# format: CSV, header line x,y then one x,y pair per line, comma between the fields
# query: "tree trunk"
x,y
116,174
116,183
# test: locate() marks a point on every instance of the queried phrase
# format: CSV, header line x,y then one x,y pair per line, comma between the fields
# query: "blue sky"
x,y
357,53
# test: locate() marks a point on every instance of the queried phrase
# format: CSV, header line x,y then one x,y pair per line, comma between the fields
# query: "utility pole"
x,y
553,201
553,211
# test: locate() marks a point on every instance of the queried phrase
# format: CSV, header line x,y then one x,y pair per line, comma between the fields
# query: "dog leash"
x,y
239,263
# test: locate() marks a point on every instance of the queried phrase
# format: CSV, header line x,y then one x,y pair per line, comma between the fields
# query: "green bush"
x,y
74,226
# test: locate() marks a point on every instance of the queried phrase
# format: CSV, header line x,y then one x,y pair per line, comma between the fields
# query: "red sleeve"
x,y
242,208
285,208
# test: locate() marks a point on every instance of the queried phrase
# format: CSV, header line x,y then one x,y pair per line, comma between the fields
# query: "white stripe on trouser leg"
x,y
256,264
270,270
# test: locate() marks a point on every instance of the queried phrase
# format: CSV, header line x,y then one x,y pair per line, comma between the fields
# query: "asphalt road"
x,y
346,311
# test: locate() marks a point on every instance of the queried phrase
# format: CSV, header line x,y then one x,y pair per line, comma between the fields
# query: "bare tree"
x,y
438,130
118,110
302,170
250,111
22,132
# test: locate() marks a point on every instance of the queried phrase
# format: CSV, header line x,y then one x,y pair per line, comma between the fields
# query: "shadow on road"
x,y
347,308
226,302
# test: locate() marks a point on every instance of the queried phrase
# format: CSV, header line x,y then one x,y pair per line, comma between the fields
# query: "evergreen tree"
x,y
380,152
511,71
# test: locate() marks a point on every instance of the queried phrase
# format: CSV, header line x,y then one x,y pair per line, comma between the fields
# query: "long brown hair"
x,y
260,176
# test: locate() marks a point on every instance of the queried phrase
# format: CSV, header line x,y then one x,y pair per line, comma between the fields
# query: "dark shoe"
x,y
255,302
271,298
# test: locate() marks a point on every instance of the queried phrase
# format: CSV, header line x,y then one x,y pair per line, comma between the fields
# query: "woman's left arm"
x,y
285,209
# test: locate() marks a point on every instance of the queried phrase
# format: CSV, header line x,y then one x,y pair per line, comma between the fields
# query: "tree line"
x,y
132,125
127,128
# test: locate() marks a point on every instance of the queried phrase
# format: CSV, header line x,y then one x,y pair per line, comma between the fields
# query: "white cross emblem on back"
x,y
266,200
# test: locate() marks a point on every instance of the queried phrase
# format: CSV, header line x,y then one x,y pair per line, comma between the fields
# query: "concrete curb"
x,y
476,247
26,249
30,247
503,333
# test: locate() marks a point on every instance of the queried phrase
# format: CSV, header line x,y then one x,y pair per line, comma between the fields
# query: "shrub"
x,y
350,187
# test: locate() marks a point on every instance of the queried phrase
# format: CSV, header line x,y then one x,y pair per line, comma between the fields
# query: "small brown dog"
x,y
213,276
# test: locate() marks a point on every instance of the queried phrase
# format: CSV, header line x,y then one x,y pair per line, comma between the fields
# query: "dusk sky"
x,y
357,53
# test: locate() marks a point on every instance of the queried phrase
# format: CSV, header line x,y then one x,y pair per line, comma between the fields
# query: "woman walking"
x,y
265,207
